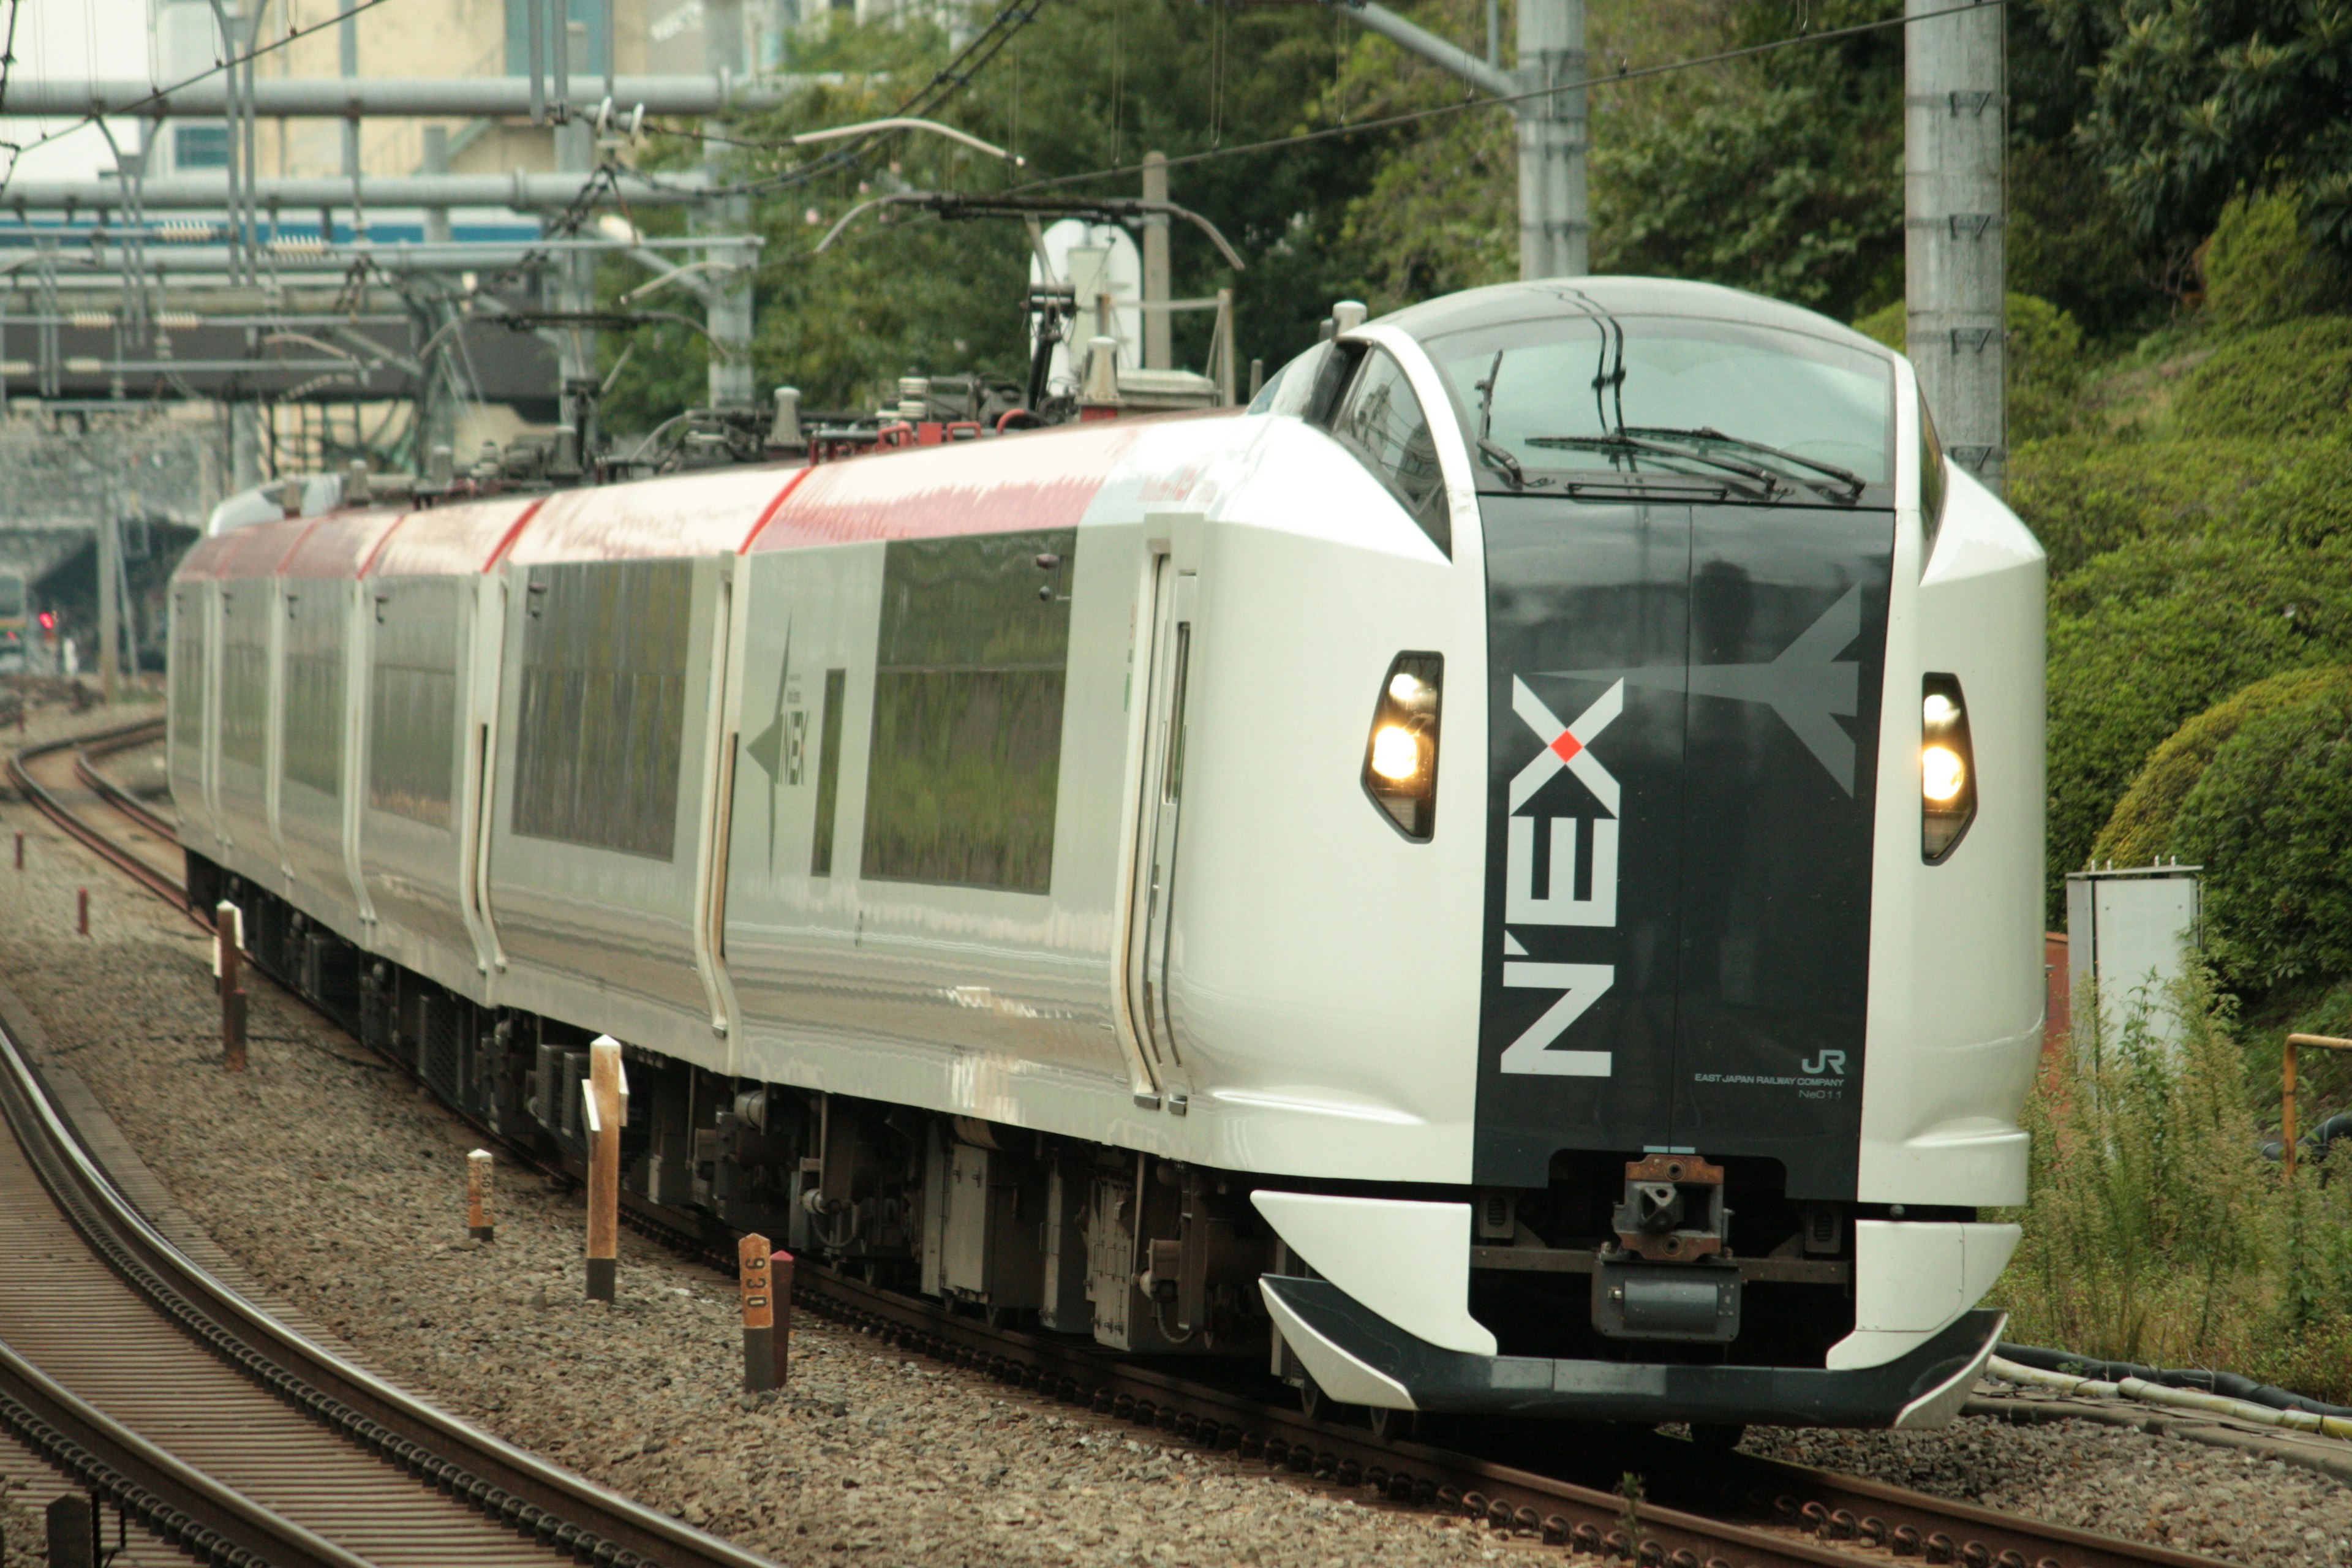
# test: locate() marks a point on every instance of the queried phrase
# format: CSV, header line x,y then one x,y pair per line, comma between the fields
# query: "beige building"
x,y
445,38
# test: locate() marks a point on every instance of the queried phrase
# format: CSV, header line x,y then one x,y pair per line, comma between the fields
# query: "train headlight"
x,y
1396,753
1401,758
1948,772
1942,774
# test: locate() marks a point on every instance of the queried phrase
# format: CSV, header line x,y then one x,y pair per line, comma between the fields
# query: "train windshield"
x,y
1748,405
12,596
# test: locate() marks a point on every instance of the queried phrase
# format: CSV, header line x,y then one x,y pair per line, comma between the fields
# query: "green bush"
x,y
2140,831
2306,502
2045,363
2085,495
1888,324
2262,269
2293,379
2270,821
2146,637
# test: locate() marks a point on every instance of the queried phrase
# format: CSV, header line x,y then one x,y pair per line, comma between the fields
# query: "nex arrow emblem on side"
x,y
1807,686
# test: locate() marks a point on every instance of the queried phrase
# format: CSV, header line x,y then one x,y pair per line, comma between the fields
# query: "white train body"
x,y
1003,823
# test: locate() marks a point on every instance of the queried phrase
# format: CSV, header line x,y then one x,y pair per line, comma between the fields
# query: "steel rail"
x,y
86,757
1726,1510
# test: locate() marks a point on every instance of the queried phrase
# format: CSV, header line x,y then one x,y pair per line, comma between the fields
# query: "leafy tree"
x,y
2194,101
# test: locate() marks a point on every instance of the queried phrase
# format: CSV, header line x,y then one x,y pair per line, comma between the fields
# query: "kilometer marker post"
x,y
765,1347
227,923
606,1091
479,1223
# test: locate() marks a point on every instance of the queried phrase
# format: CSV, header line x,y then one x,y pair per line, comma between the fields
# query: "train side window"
x,y
1382,422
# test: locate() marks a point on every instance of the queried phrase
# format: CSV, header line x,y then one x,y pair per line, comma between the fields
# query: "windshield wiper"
x,y
1497,456
1627,446
1852,481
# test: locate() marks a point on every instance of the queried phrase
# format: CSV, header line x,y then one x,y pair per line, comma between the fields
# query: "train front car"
x,y
1760,988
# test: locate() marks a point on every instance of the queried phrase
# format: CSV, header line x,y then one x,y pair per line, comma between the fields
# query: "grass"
x,y
2157,1232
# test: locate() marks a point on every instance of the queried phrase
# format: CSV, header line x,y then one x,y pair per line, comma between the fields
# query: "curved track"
x,y
129,1367
47,775
1702,1509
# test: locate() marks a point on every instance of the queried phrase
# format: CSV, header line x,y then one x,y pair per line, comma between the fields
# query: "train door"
x,y
1158,821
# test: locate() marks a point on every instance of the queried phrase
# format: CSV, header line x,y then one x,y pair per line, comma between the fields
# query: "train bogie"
x,y
1503,878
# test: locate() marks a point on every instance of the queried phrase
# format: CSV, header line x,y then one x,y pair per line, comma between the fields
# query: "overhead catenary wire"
x,y
1407,117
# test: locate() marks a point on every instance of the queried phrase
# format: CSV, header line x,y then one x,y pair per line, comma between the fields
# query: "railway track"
x,y
1695,1508
134,1371
48,775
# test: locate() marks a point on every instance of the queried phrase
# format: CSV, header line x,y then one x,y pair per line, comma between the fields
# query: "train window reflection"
x,y
1382,422
1581,393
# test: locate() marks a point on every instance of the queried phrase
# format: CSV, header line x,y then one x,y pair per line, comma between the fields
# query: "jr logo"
x,y
1827,1062
1566,746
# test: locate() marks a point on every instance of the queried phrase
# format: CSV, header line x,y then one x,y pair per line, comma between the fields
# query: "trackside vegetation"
x,y
2158,1232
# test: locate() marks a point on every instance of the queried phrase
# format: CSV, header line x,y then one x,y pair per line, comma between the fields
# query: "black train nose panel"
x,y
1681,770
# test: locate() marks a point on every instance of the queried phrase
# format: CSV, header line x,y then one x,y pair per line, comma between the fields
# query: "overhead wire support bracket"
x,y
954,206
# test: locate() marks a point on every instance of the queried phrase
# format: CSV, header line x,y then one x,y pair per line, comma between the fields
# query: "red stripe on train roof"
x,y
768,512
711,512
340,545
1001,485
260,550
455,539
202,562
513,533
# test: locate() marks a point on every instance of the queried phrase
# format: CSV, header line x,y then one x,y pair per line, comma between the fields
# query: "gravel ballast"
x,y
338,1186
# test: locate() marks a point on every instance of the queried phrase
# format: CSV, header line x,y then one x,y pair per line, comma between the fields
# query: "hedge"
x,y
2146,637
2140,831
2085,495
2270,821
2262,267
2295,379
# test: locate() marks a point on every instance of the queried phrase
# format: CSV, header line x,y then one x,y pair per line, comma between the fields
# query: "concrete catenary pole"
x,y
727,306
726,312
1555,227
1555,230
1955,212
244,445
1158,354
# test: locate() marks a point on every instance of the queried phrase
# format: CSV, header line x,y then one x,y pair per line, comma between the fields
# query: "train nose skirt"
x,y
1361,1358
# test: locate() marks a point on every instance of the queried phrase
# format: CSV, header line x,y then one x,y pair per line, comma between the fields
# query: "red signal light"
x,y
48,620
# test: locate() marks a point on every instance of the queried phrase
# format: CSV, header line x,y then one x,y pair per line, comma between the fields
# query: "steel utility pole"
x,y
1555,224
109,594
1955,213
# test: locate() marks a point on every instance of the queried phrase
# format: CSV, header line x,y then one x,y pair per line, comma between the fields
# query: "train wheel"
x,y
1390,1425
1310,1398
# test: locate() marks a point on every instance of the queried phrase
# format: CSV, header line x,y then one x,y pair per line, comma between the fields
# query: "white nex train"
x,y
1504,877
